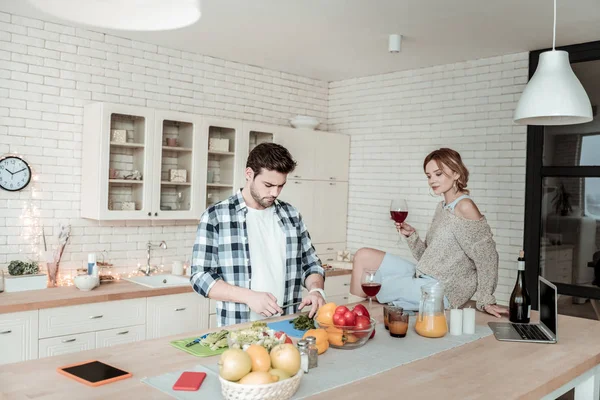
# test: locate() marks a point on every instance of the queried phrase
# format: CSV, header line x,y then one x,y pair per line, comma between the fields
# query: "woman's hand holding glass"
x,y
404,229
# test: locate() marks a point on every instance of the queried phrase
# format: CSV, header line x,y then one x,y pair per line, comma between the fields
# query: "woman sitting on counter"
x,y
458,251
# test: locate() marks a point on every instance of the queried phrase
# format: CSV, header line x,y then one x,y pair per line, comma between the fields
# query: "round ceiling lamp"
x,y
129,15
553,95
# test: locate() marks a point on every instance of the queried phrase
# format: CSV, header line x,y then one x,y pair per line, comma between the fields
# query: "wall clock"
x,y
15,173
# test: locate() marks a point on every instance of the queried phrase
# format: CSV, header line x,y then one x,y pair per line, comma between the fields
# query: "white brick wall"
x,y
49,71
396,119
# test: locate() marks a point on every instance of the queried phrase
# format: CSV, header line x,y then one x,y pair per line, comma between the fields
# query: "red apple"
x,y
362,323
372,334
341,309
359,309
350,318
338,319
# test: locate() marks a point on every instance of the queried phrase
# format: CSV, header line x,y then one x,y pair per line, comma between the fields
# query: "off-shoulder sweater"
x,y
461,254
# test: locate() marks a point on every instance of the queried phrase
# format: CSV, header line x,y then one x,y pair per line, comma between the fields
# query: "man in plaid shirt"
x,y
253,252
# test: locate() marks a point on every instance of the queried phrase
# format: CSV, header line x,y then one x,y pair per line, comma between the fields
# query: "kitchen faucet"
x,y
148,270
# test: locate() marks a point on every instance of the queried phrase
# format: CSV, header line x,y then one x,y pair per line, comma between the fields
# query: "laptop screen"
x,y
548,305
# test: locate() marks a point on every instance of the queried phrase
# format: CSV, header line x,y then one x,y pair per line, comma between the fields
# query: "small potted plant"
x,y
562,205
24,275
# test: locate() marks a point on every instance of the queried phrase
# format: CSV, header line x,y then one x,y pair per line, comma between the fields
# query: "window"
x,y
590,155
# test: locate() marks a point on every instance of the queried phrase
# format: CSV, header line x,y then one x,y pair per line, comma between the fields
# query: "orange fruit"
x,y
261,360
350,338
337,339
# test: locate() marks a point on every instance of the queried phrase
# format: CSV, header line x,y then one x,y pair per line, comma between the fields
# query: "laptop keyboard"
x,y
530,332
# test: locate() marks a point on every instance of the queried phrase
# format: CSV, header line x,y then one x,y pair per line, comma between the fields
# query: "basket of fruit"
x,y
257,374
346,328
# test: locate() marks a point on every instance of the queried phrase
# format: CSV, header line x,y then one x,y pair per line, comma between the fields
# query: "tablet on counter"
x,y
94,373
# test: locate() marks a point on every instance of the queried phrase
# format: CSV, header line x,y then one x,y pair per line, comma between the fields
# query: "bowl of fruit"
x,y
259,374
346,328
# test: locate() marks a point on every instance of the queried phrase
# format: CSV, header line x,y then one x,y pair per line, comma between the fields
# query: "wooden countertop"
x,y
483,369
70,295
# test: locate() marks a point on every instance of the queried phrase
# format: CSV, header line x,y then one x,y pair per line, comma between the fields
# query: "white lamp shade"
x,y
554,95
130,15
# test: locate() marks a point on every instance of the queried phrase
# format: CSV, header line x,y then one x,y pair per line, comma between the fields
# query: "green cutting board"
x,y
196,350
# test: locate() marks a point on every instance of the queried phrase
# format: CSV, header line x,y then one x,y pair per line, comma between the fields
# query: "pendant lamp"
x,y
128,15
553,95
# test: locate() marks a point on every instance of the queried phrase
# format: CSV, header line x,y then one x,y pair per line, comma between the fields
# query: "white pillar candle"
x,y
456,322
468,321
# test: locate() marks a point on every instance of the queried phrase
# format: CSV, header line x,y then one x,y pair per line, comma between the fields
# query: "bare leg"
x,y
365,258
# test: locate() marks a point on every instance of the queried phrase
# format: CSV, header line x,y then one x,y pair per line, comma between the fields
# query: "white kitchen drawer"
x,y
67,344
338,300
565,255
337,285
212,306
91,317
326,248
327,258
177,313
113,337
18,337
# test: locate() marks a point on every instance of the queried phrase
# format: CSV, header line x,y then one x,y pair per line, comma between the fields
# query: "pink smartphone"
x,y
189,381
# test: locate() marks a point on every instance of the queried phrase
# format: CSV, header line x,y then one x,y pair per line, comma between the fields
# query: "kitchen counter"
x,y
485,368
70,295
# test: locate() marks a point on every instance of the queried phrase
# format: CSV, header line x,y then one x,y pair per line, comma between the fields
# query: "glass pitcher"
x,y
431,321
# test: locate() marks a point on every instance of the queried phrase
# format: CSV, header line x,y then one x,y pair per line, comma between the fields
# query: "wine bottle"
x,y
520,303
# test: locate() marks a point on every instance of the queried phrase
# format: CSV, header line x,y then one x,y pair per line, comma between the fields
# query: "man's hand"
x,y
315,300
263,303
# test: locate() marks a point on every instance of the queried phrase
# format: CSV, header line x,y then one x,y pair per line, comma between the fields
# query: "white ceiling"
x,y
340,39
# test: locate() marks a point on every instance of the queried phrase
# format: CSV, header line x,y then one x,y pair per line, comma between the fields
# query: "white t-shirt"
x,y
266,241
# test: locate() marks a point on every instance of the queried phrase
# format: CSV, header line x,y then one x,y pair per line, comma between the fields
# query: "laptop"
x,y
544,331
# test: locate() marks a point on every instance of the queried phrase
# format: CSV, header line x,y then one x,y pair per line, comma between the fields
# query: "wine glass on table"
x,y
369,285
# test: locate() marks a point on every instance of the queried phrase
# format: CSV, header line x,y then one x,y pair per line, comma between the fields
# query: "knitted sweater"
x,y
461,254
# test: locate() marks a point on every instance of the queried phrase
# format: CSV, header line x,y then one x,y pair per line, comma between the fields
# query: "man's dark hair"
x,y
270,156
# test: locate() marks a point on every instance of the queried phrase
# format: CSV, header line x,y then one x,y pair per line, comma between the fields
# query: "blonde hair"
x,y
451,159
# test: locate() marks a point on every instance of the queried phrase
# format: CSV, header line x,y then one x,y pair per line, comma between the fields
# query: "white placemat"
x,y
380,354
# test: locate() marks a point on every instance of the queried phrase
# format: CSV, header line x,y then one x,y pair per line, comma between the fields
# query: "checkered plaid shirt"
x,y
221,252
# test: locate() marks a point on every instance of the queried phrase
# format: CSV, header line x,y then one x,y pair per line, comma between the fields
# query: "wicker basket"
x,y
283,390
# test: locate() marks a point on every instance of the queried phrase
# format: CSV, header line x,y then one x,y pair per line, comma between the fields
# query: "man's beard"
x,y
263,201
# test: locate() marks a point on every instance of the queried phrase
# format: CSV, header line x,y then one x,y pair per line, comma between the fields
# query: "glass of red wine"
x,y
399,210
369,285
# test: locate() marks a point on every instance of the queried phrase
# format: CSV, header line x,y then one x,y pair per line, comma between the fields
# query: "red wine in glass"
x,y
369,285
371,289
399,216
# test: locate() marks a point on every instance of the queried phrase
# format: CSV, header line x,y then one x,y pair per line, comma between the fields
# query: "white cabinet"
x,y
301,145
224,172
332,156
113,337
330,211
179,165
18,337
174,314
128,156
91,317
67,344
300,194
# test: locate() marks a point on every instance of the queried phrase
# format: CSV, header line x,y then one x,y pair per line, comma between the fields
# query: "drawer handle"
x,y
96,316
297,183
180,309
346,284
123,333
297,176
345,297
332,177
330,248
5,332
332,183
68,340
329,259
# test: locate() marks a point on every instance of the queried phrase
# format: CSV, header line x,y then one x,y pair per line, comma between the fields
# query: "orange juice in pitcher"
x,y
431,321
